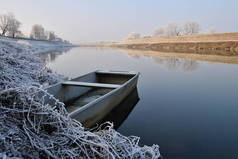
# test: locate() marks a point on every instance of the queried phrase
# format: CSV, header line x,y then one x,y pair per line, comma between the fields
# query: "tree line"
x,y
174,29
10,26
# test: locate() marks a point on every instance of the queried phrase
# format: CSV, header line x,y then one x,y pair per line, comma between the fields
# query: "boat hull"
x,y
96,110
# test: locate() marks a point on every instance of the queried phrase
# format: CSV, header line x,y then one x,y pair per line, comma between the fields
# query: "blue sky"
x,y
111,20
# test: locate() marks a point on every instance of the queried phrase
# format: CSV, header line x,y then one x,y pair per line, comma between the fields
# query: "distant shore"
x,y
206,44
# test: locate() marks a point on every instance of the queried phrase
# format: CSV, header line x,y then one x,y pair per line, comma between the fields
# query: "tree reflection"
x,y
169,60
134,56
172,63
189,66
175,63
51,56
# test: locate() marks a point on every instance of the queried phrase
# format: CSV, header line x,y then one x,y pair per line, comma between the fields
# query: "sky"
x,y
112,20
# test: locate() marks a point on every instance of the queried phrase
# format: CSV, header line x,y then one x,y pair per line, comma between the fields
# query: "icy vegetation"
x,y
19,66
32,46
31,128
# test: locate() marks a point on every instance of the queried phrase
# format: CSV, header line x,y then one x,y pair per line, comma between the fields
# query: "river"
x,y
188,107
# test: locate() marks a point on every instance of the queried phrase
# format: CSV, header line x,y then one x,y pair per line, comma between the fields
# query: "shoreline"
x,y
205,44
225,44
33,46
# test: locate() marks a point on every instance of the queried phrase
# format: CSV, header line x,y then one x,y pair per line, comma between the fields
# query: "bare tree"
x,y
133,35
191,28
13,28
51,36
159,32
212,31
173,29
38,32
6,21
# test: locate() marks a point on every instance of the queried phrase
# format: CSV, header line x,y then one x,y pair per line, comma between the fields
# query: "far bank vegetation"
x,y
173,29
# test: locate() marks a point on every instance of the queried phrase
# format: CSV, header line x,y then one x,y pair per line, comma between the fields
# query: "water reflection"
x,y
171,63
190,115
175,63
119,114
189,66
51,56
135,54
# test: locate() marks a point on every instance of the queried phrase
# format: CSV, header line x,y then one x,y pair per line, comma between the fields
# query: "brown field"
x,y
188,38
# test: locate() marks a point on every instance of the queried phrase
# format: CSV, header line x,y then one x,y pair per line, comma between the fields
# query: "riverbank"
x,y
225,44
32,46
207,44
31,128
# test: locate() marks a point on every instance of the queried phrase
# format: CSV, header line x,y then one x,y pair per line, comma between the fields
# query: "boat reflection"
x,y
120,113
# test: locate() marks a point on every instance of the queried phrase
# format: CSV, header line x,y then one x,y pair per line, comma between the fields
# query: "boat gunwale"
x,y
99,72
90,84
136,74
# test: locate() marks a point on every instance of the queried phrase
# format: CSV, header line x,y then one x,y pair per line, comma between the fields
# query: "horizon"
x,y
87,21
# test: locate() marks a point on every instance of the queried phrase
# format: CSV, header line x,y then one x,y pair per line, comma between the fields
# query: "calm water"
x,y
189,108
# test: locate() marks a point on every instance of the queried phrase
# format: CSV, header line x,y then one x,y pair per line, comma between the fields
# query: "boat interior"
x,y
85,89
106,77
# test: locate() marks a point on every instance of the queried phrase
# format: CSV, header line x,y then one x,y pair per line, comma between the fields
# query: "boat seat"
x,y
88,84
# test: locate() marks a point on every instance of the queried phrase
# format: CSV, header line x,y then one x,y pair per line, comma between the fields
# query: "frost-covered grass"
x,y
31,128
19,66
33,46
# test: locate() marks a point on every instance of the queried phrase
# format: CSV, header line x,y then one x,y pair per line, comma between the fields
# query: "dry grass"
x,y
188,38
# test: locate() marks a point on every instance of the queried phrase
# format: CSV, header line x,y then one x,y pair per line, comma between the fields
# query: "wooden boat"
x,y
91,97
